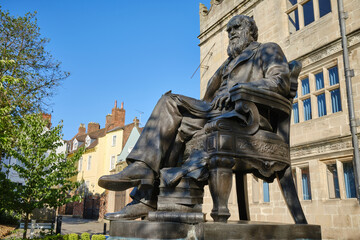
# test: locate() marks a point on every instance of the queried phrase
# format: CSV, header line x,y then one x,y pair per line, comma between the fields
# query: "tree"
x,y
28,73
47,174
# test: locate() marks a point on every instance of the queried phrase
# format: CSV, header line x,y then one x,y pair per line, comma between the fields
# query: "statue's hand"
x,y
221,101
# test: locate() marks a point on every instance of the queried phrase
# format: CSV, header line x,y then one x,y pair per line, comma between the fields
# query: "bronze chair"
x,y
258,144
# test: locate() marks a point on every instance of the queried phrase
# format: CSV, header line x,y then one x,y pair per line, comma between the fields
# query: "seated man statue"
x,y
176,118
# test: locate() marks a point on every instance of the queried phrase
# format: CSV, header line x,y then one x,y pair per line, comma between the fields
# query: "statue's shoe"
x,y
132,211
136,174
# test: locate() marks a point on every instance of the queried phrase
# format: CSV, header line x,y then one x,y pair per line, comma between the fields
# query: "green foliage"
x,y
53,237
73,236
85,236
9,217
24,49
28,73
46,172
98,237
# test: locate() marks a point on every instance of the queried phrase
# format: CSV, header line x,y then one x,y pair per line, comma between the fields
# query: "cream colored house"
x,y
321,149
103,148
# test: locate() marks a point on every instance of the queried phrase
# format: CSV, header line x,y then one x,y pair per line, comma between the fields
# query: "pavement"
x,y
80,225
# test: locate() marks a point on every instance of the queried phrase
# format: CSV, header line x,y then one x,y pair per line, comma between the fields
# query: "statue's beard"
x,y
238,44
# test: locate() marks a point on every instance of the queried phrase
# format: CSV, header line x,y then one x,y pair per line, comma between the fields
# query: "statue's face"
x,y
235,27
239,36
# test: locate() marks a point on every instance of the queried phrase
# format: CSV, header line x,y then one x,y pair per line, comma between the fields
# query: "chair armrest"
x,y
264,97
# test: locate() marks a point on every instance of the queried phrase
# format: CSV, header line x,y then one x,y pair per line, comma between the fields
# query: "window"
x,y
321,105
87,186
87,141
113,140
89,163
266,191
309,11
333,76
307,109
335,100
305,86
332,179
80,164
349,180
305,180
296,112
293,21
319,78
324,7
75,144
112,162
321,88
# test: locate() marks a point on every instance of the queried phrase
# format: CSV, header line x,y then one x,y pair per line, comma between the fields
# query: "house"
x,y
103,147
118,199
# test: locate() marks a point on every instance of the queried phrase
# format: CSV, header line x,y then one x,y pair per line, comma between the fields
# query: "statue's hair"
x,y
250,23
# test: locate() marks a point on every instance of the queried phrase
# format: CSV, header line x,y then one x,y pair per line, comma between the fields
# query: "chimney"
x,y
136,122
82,129
108,122
47,117
92,127
118,115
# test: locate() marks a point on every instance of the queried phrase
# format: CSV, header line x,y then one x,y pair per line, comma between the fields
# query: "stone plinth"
x,y
211,230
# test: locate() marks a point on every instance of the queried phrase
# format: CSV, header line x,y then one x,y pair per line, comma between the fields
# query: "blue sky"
x,y
129,51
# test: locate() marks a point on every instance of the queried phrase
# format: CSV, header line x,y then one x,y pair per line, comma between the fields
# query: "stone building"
x,y
321,150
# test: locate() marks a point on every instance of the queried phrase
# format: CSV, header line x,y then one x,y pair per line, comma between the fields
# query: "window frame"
x,y
80,165
266,192
112,163
308,187
113,140
299,6
314,93
333,193
88,168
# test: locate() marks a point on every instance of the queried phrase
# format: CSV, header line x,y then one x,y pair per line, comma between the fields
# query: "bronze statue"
x,y
177,118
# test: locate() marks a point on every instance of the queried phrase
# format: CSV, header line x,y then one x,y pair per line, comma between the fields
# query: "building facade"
x,y
321,149
103,147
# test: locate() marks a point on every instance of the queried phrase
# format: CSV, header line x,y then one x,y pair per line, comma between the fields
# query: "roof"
x,y
93,135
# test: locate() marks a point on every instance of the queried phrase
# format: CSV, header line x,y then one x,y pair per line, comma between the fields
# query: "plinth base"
x,y
127,230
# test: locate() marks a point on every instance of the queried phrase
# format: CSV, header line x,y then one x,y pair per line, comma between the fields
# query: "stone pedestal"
x,y
127,230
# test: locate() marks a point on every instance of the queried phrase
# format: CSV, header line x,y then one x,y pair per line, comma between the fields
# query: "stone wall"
x,y
317,143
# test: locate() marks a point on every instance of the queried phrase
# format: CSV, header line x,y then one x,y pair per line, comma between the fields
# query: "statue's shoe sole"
x,y
121,185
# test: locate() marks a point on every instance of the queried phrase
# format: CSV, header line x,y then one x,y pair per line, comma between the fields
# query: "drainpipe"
x,y
348,74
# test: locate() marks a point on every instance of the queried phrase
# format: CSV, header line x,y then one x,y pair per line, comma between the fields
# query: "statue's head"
x,y
242,30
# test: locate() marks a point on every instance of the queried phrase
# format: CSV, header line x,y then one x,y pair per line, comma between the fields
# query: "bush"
x,y
98,237
85,236
9,217
54,237
66,237
73,236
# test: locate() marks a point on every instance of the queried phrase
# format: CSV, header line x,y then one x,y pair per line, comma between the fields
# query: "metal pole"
x,y
58,224
104,229
350,101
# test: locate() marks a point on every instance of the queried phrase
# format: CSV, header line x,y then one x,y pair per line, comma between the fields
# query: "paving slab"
x,y
80,225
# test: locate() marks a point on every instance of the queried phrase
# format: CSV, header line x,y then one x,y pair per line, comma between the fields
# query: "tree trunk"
x,y
26,225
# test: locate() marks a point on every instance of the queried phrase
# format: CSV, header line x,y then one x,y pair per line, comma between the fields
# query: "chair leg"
x,y
220,182
242,196
288,190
